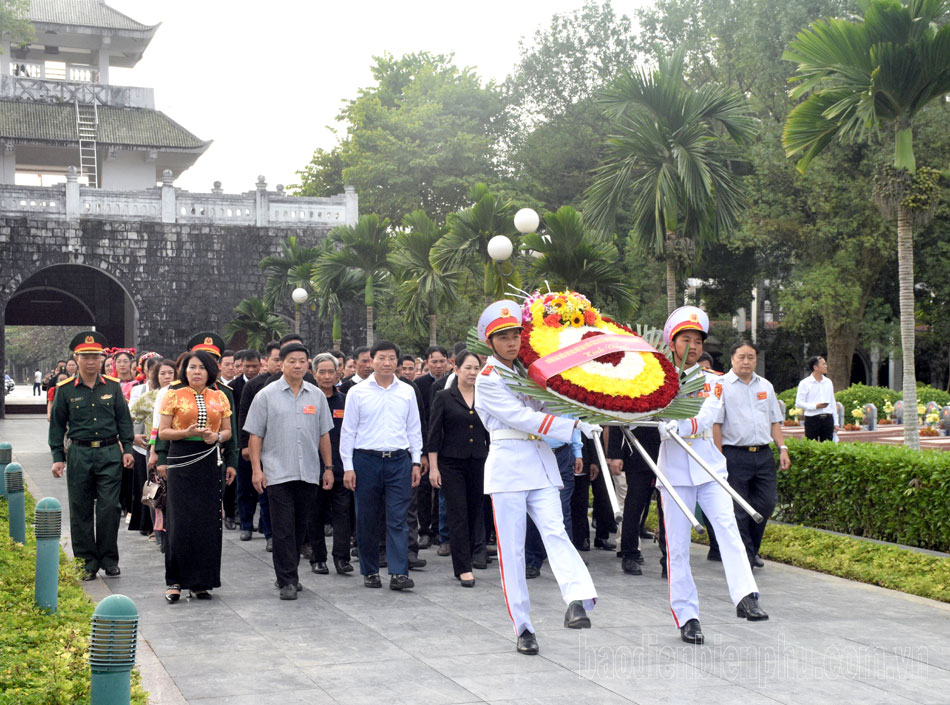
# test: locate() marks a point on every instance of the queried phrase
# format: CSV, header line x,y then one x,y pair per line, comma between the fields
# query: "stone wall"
x,y
181,278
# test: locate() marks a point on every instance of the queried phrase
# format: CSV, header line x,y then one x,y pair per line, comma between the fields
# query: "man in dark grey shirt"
x,y
289,424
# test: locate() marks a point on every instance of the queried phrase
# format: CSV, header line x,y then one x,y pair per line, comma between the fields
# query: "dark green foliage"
x,y
860,394
891,493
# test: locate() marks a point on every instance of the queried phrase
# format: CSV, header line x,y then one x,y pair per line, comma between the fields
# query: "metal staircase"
x,y
87,126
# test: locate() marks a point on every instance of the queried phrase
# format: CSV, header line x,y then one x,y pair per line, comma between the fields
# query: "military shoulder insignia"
x,y
223,384
488,370
66,381
112,379
715,372
177,384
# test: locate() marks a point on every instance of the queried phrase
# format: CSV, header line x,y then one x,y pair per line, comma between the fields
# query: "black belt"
x,y
750,449
395,454
817,416
95,444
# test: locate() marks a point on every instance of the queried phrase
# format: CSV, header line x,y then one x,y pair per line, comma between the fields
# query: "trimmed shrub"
x,y
859,394
883,492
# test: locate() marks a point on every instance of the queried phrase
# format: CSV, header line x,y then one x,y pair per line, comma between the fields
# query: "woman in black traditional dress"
x,y
195,420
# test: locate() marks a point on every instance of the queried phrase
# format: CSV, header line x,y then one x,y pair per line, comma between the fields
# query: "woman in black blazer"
x,y
458,446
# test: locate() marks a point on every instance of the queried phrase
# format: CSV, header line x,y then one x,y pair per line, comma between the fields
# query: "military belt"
x,y
97,443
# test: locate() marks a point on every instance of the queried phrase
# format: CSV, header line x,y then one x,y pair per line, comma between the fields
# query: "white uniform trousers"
x,y
717,506
544,508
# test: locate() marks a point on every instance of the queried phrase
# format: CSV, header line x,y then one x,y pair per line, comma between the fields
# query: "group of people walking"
x,y
389,462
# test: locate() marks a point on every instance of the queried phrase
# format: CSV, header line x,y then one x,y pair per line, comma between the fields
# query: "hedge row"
x,y
44,657
859,395
883,492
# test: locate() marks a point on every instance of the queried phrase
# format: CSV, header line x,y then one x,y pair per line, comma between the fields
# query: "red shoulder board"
x,y
715,372
487,370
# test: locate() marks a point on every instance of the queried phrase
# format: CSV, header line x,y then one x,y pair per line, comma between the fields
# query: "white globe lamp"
x,y
299,295
527,220
500,248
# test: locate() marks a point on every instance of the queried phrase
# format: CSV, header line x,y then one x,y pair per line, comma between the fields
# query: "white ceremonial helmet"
x,y
498,316
685,318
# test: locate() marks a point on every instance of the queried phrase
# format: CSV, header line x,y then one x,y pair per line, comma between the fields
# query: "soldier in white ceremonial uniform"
x,y
522,477
684,332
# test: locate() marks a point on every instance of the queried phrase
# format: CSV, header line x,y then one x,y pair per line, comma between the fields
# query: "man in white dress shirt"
x,y
684,332
380,446
816,396
523,479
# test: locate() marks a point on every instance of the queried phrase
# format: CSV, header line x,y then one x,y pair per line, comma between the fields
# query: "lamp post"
x,y
300,296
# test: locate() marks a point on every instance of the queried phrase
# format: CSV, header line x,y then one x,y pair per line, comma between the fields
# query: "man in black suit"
x,y
364,368
427,497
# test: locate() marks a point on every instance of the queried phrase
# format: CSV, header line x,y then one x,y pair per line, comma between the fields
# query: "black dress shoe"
x,y
270,546
245,536
277,585
416,563
531,572
631,567
638,557
424,542
113,571
201,594
480,565
605,544
288,593
714,556
230,524
757,562
342,566
320,568
355,552
576,616
585,545
372,581
691,632
88,575
400,582
527,643
748,607
172,594
467,583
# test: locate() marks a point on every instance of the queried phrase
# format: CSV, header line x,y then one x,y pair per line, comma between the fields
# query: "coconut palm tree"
x,y
569,255
424,290
465,246
863,74
672,159
257,322
285,272
363,252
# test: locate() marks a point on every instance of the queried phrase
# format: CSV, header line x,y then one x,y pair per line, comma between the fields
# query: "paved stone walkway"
x,y
828,640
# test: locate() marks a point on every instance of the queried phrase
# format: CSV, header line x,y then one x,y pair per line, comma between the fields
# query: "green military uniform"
x,y
96,419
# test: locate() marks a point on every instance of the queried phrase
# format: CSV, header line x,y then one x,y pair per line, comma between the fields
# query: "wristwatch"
x,y
417,465
783,447
327,467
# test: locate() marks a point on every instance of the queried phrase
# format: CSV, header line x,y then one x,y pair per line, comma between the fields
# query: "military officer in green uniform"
x,y
91,410
213,344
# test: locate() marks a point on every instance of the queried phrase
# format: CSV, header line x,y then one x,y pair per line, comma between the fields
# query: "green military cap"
x,y
207,341
89,341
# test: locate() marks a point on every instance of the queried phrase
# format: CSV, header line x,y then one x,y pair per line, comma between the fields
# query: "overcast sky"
x,y
264,79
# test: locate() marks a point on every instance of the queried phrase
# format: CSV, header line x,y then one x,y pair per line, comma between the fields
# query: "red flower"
x,y
590,317
553,320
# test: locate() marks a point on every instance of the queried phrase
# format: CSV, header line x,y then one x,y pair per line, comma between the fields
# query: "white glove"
x,y
672,427
589,429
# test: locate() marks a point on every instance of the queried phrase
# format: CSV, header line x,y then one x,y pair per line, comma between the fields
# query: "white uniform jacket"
x,y
676,464
516,465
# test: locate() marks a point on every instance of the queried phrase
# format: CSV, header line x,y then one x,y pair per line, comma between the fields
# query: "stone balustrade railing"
x,y
167,204
39,90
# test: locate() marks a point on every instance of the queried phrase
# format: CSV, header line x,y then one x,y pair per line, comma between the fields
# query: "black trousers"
x,y
463,483
639,492
427,508
291,505
332,506
820,427
580,501
753,476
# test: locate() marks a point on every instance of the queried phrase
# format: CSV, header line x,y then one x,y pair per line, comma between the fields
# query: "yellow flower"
x,y
577,320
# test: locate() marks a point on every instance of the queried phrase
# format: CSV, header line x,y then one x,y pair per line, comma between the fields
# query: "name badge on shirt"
x,y
311,410
763,395
338,413
104,397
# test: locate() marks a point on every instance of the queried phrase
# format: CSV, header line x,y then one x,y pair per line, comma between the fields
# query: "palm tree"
x,y
257,322
285,272
424,289
672,158
364,253
331,293
860,75
571,256
465,246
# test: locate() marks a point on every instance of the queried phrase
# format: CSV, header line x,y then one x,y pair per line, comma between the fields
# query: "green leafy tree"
x,y
570,256
14,21
283,273
465,246
423,291
363,253
859,75
673,159
256,322
418,138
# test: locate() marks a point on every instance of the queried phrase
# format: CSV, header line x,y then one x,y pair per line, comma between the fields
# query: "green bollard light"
x,y
6,456
17,507
112,650
48,526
